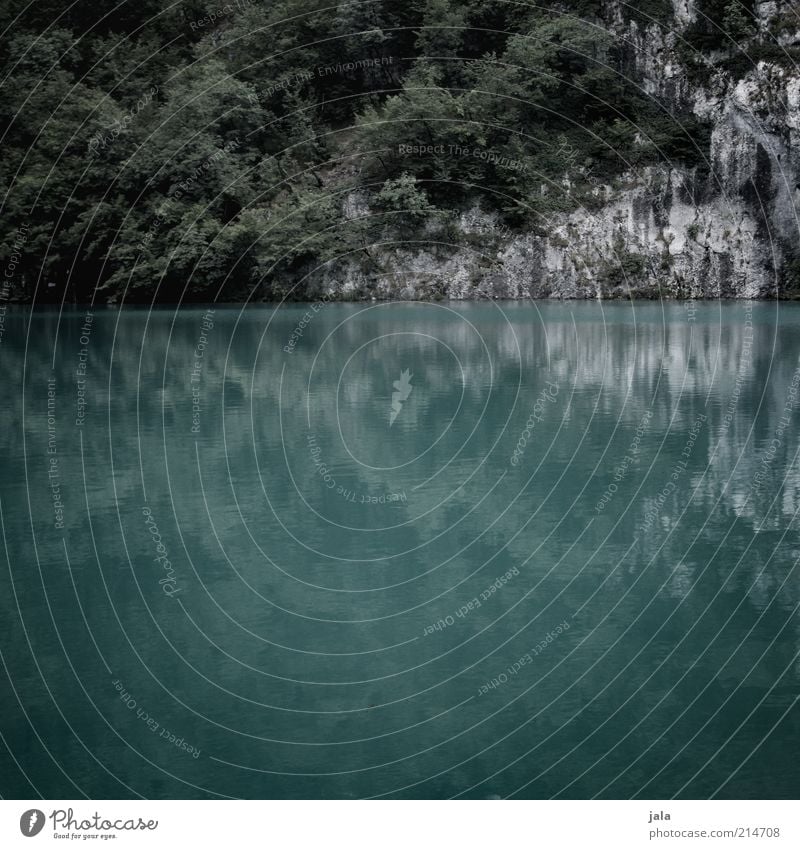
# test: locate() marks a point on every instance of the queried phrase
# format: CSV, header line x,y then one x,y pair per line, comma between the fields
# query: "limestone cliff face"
x,y
727,230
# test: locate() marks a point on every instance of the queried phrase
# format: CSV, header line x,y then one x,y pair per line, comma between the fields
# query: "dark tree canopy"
x,y
159,150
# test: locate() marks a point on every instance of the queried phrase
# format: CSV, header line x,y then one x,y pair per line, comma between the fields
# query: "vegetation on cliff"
x,y
160,151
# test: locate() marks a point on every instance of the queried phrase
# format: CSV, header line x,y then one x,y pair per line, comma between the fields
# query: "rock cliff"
x,y
727,228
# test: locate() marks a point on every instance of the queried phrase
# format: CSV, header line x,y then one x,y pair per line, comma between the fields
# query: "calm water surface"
x,y
402,550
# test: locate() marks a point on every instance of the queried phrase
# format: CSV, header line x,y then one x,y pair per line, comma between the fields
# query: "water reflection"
x,y
329,592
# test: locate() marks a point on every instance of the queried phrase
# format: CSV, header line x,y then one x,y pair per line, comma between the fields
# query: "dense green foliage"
x,y
719,24
153,152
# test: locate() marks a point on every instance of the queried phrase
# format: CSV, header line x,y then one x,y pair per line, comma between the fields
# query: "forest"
x,y
190,152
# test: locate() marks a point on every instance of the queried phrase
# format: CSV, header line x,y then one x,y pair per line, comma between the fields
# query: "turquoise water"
x,y
401,550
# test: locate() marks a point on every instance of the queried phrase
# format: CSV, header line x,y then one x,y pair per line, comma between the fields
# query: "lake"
x,y
401,550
